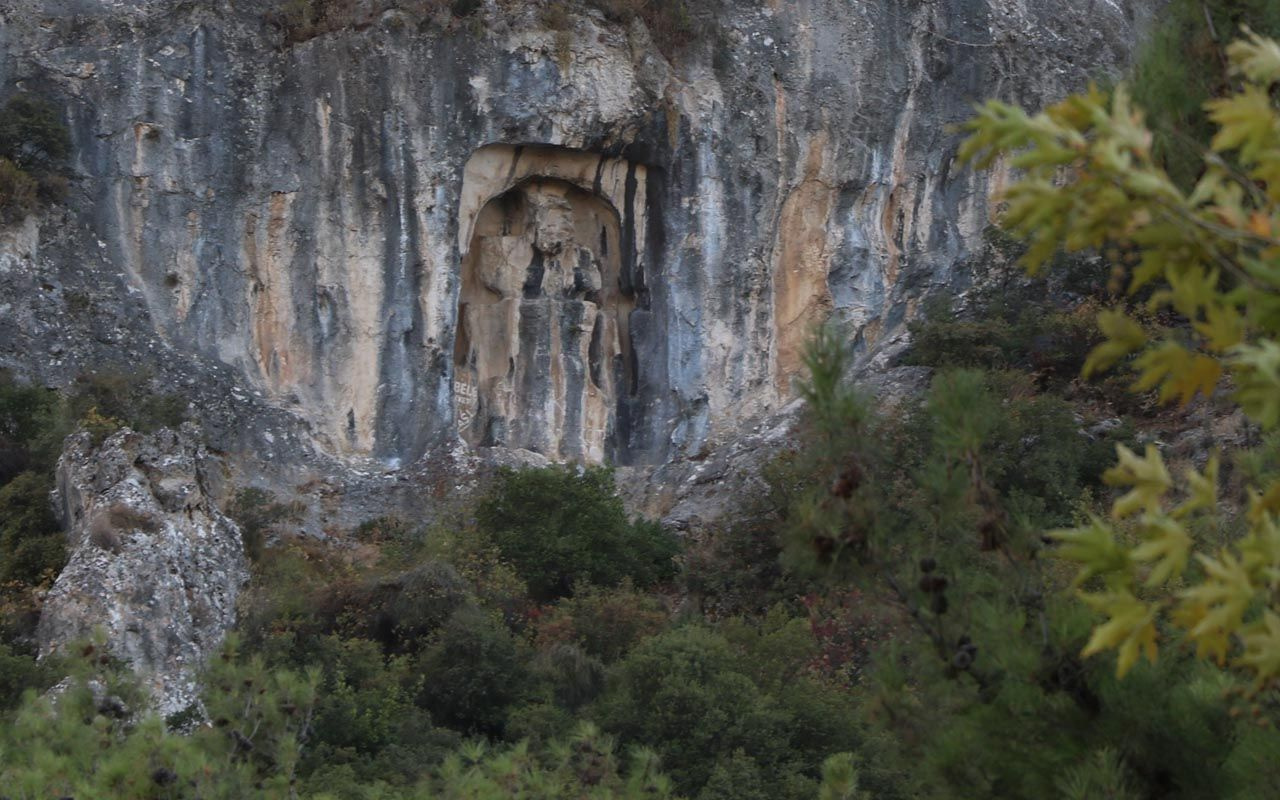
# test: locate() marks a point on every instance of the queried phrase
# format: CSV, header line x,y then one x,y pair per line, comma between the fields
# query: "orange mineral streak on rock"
x,y
268,256
802,298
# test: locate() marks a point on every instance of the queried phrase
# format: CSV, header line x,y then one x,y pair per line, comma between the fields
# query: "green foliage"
x,y
308,607
604,622
840,779
260,515
20,672
694,698
940,514
585,765
32,548
476,673
263,727
564,525
367,718
19,192
1211,258
25,413
89,742
1182,66
121,399
34,145
1008,332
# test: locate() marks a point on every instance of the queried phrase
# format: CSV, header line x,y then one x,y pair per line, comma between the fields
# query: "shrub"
x,y
1182,65
1010,330
574,677
259,514
421,601
32,549
127,397
34,144
671,23
733,567
475,673
25,413
32,135
1209,258
583,765
604,622
91,741
20,672
366,715
562,525
19,192
691,696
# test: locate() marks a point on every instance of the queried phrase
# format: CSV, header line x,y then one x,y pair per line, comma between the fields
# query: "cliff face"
x,y
417,230
154,564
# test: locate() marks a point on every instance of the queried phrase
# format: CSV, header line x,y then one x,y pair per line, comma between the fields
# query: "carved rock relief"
x,y
542,351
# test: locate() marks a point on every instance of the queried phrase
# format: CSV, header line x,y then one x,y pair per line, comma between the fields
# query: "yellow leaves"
x,y
1214,644
1202,490
1190,286
1261,642
1224,594
1256,58
1245,123
1094,547
1147,476
1123,336
1131,629
1260,551
1166,543
1178,372
1222,327
1256,368
1088,181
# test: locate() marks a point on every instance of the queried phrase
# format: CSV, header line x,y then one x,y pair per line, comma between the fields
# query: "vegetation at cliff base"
x,y
564,525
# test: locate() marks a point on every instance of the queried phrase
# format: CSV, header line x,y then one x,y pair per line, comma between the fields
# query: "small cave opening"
x,y
544,316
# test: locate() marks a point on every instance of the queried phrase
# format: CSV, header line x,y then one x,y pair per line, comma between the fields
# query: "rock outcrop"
x,y
354,224
153,562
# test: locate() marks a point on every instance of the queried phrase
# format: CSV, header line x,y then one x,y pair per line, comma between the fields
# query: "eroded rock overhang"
x,y
552,266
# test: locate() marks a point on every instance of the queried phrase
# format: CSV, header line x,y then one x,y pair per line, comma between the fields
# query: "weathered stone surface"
x,y
153,562
543,356
301,214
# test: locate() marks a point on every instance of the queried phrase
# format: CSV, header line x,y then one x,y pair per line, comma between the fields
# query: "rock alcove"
x,y
543,352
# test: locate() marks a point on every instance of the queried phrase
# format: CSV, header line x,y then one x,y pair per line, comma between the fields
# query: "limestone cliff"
x,y
422,230
153,564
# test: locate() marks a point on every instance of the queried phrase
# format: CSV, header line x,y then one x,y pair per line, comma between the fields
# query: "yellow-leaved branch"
x,y
1209,259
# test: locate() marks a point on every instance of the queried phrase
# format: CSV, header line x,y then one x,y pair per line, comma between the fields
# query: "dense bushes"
x,y
726,720
258,514
1184,64
34,145
31,544
476,673
562,525
941,513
